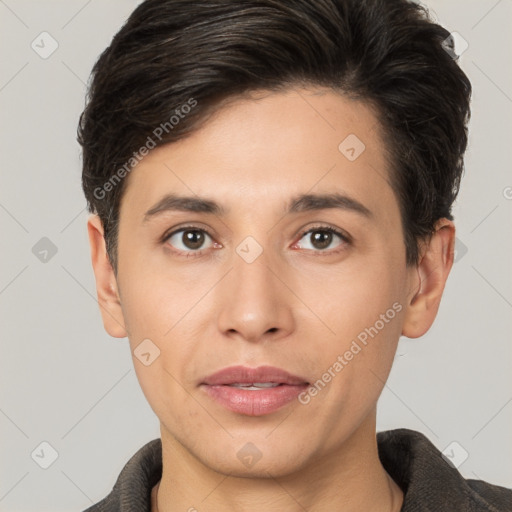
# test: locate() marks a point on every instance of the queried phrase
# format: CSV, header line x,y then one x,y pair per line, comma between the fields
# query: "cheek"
x,y
163,308
153,302
363,310
354,298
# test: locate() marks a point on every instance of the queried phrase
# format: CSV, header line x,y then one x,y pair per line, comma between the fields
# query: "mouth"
x,y
254,386
253,391
262,377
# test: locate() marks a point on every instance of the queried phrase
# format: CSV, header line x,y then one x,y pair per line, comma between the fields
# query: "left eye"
x,y
188,239
321,238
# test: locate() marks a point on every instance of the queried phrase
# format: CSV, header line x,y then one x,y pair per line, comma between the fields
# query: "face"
x,y
296,262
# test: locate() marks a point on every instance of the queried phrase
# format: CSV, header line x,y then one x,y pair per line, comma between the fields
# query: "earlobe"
x,y
106,282
428,279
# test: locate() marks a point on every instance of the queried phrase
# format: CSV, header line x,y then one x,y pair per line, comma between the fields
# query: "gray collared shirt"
x,y
428,481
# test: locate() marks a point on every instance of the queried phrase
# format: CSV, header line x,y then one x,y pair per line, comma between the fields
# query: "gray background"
x,y
66,382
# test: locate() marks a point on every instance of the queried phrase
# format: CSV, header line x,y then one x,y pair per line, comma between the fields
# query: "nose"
x,y
255,304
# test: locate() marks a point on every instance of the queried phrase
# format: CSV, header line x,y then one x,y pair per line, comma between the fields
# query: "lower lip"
x,y
254,402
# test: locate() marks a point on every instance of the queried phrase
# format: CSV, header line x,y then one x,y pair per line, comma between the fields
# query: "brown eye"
x,y
322,239
188,239
193,239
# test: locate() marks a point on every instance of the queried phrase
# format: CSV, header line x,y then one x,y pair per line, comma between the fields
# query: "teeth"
x,y
255,385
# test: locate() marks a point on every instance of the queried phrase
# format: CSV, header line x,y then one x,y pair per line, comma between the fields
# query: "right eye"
x,y
189,240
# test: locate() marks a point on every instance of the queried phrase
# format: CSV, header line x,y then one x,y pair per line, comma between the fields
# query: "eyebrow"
x,y
298,204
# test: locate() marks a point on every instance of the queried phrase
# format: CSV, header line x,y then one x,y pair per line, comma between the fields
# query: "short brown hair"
x,y
386,52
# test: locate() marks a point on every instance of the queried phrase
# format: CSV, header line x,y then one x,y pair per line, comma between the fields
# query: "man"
x,y
271,186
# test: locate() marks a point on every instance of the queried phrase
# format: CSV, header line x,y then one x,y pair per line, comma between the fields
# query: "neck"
x,y
350,478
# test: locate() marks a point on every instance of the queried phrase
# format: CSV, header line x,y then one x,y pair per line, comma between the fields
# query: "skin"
x,y
297,306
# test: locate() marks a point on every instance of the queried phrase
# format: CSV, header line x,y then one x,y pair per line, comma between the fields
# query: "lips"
x,y
253,391
246,375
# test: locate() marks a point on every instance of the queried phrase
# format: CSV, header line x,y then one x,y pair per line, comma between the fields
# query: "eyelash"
x,y
328,229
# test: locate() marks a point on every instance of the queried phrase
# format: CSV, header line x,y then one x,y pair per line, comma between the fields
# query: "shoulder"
x,y
498,497
132,489
430,481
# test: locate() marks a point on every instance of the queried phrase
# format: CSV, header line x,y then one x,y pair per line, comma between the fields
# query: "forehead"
x,y
265,148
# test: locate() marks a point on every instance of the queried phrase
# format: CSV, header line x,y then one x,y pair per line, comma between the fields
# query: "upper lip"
x,y
246,375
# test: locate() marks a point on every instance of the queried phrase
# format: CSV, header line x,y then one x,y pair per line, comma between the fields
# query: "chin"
x,y
254,457
275,466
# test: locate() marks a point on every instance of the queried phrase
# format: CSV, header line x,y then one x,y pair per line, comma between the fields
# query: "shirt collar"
x,y
428,480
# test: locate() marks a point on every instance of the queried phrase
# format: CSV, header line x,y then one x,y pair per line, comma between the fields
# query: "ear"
x,y
428,279
106,282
